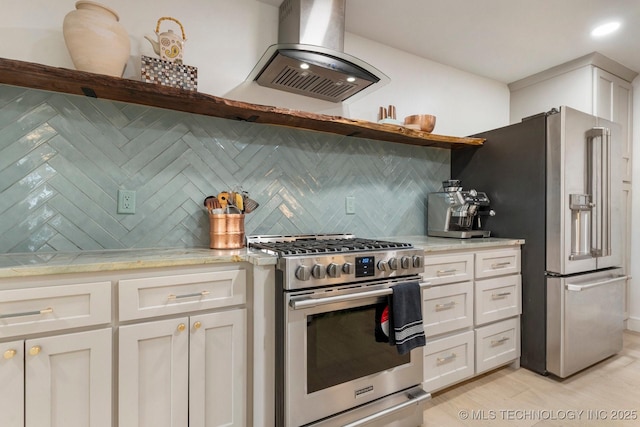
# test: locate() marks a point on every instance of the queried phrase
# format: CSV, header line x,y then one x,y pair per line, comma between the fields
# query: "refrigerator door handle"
x,y
599,186
578,288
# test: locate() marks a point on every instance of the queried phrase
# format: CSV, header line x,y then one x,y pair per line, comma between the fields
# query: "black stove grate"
x,y
305,246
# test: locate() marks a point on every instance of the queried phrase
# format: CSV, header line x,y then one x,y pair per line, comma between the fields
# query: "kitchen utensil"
x,y
238,201
212,203
223,199
426,121
250,205
232,209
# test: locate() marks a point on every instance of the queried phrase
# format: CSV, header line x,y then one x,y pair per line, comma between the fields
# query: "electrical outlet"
x,y
350,205
126,202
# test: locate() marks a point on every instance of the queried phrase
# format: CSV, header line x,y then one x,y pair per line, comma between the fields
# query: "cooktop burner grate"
x,y
323,245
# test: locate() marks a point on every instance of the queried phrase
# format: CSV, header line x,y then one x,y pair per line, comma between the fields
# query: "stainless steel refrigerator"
x,y
555,180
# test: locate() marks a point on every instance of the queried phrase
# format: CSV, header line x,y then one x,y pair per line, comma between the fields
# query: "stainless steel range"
x,y
331,370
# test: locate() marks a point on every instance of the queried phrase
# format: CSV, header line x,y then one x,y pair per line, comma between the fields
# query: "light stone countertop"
x,y
50,263
440,244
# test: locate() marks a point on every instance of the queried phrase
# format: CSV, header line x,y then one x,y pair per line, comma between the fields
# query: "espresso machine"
x,y
454,212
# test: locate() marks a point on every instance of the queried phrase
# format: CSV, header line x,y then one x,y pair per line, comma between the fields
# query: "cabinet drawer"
x,y
448,361
497,263
497,344
446,308
158,296
51,308
443,269
497,298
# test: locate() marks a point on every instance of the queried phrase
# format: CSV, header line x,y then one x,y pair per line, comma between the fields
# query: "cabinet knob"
x,y
35,350
9,354
181,327
197,325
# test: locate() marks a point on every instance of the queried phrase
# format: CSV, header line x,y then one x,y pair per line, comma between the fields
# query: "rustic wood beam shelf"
x,y
38,76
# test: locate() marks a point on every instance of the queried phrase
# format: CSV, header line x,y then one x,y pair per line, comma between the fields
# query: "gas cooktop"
x,y
320,244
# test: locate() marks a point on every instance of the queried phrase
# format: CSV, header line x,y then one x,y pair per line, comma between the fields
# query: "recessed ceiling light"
x,y
604,29
304,66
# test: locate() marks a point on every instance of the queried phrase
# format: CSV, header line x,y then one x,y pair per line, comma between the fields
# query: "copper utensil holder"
x,y
226,231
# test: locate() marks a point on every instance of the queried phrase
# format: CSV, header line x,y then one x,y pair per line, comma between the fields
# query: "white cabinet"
x,y
471,306
497,344
218,369
593,84
448,360
59,380
12,380
68,380
153,373
49,375
190,369
497,298
184,371
446,308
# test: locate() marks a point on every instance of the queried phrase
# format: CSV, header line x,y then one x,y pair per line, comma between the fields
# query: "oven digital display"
x,y
365,266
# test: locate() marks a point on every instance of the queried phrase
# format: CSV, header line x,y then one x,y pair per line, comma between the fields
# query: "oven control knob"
x,y
393,263
383,266
405,262
318,271
347,268
333,270
417,261
303,272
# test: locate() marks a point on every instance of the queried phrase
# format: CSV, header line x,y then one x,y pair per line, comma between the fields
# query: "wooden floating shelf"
x,y
38,76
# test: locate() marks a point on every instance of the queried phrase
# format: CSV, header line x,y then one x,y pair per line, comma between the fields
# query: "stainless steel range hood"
x,y
309,58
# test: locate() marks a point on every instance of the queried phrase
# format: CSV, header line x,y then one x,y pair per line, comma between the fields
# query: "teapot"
x,y
169,45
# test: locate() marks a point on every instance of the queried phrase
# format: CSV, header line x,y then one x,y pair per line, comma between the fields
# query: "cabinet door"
x,y
153,388
68,380
218,365
12,384
446,308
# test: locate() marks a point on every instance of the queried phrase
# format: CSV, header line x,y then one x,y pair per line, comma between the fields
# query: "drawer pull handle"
x,y
195,294
500,295
47,310
449,358
500,264
447,306
446,272
9,354
499,342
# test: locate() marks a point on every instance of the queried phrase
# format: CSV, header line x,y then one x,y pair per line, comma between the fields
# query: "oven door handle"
x,y
416,397
300,303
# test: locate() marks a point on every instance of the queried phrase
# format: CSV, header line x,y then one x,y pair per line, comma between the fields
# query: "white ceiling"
x,y
505,40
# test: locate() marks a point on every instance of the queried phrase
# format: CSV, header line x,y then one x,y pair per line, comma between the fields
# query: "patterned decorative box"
x,y
165,73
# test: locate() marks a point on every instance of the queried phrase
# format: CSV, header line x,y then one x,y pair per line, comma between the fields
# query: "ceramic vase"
x,y
96,40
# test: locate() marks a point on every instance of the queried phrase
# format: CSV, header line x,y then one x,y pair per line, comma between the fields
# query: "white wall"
x,y
552,93
463,103
226,38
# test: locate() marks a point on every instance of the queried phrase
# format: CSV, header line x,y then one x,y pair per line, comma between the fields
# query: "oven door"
x,y
333,360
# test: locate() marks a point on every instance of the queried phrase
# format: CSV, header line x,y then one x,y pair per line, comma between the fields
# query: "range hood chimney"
x,y
309,59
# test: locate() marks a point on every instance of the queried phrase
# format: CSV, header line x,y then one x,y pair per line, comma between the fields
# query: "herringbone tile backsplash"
x,y
64,157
